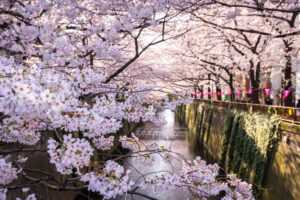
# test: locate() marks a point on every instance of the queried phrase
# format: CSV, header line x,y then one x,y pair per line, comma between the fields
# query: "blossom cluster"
x,y
201,179
29,197
238,189
161,183
74,153
131,143
36,99
7,172
147,159
104,143
18,129
182,97
3,192
112,180
145,153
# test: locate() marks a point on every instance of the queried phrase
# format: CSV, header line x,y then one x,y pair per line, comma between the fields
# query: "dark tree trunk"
x,y
201,91
287,86
195,91
218,91
232,96
254,78
209,96
287,73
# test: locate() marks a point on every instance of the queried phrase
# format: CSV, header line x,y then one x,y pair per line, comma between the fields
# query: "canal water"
x,y
170,134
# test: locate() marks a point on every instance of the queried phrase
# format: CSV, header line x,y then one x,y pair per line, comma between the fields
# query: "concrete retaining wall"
x,y
282,179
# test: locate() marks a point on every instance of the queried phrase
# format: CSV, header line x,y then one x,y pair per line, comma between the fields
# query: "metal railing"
x,y
288,114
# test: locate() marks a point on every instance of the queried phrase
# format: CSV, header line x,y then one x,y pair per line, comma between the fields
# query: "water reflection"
x,y
170,134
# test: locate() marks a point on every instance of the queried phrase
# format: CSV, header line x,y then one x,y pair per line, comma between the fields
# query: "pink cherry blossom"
x,y
7,172
75,153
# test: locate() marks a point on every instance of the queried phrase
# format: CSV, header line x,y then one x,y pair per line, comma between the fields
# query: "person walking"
x,y
298,106
278,100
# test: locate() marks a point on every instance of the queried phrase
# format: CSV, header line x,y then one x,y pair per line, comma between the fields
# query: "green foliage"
x,y
199,122
210,112
187,113
248,145
203,129
180,114
226,140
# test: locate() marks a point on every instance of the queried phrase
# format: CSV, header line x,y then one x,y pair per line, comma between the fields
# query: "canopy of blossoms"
x,y
58,61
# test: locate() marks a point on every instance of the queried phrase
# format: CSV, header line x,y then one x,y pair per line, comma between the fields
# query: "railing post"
x,y
294,110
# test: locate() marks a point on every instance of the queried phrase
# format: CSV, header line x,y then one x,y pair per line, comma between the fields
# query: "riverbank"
x,y
257,147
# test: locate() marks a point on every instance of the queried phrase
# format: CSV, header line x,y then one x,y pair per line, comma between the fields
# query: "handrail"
x,y
288,114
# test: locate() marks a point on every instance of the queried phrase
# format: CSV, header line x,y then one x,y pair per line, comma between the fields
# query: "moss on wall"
x,y
251,142
180,114
243,146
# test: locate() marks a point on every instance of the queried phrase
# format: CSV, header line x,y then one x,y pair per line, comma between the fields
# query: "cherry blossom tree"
x,y
250,28
207,50
59,96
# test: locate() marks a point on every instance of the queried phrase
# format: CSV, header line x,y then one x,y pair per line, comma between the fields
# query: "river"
x,y
170,134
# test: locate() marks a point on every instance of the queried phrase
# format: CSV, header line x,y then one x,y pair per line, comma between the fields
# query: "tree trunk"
x,y
232,96
218,91
288,101
201,91
287,73
254,82
195,91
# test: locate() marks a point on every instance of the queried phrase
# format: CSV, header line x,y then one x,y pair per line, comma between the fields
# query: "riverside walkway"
x,y
287,114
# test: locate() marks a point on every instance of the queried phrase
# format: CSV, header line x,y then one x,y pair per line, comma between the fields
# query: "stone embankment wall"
x,y
258,148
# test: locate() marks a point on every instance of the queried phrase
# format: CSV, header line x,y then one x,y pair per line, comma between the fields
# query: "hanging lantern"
x,y
238,92
267,91
250,91
286,94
